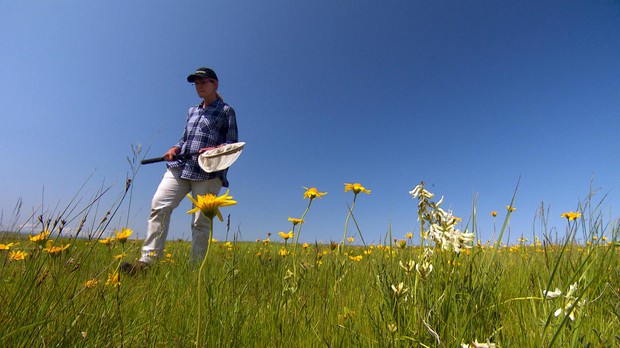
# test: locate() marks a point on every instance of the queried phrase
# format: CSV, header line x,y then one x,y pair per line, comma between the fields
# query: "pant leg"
x,y
170,192
200,223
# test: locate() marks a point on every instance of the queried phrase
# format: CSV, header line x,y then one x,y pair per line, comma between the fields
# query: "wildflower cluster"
x,y
571,304
400,291
113,280
43,243
417,290
120,236
441,224
424,266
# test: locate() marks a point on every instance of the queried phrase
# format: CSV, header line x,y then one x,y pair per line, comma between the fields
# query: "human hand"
x,y
172,154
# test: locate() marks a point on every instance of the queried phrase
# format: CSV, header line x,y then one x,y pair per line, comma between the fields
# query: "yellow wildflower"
x,y
493,213
113,280
305,245
120,256
286,236
312,193
7,246
91,283
357,258
402,244
40,238
210,205
571,216
409,235
283,252
350,239
123,235
17,255
106,241
168,258
56,250
356,188
295,221
510,208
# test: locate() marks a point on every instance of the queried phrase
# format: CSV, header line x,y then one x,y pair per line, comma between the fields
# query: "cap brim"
x,y
191,78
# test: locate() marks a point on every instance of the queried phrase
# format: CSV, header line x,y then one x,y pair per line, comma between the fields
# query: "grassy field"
x,y
449,292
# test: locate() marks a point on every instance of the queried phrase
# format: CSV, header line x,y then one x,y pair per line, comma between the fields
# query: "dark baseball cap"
x,y
204,73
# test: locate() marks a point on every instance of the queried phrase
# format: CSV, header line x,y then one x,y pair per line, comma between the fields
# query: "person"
x,y
210,124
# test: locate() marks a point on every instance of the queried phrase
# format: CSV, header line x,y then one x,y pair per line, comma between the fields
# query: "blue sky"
x,y
471,97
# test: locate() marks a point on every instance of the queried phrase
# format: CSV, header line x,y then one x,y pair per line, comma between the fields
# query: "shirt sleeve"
x,y
232,135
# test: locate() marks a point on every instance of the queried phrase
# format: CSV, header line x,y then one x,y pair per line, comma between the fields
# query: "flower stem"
x,y
199,290
297,239
346,224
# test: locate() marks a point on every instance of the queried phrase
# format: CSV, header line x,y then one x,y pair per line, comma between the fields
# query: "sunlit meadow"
x,y
438,286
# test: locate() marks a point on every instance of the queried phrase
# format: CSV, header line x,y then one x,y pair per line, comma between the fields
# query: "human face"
x,y
206,88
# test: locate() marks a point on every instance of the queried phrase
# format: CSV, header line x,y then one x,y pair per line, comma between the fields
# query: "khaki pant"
x,y
169,194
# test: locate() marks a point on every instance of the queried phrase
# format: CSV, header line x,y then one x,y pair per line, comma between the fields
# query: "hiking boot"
x,y
134,268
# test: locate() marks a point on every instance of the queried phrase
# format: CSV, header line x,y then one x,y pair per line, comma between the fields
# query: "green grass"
x,y
269,294
252,299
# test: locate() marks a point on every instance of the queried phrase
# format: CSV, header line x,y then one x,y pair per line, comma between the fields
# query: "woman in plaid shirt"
x,y
210,124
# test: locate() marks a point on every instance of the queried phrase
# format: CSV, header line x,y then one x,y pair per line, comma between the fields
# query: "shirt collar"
x,y
213,103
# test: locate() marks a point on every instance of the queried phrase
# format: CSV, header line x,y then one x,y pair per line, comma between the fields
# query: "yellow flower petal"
x,y
17,255
356,188
123,234
209,204
312,193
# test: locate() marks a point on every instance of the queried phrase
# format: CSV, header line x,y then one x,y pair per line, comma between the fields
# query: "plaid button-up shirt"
x,y
206,127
